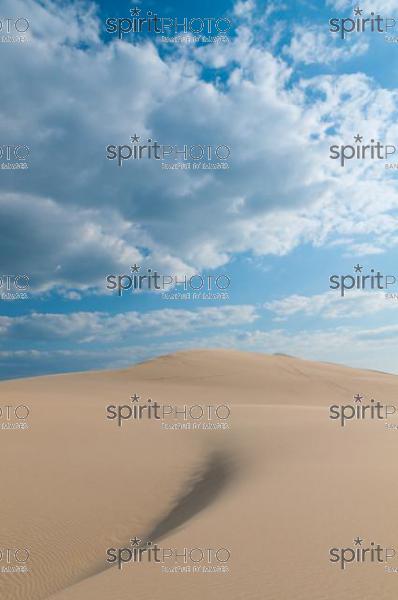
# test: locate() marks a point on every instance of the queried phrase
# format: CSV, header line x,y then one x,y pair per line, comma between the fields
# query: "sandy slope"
x,y
278,489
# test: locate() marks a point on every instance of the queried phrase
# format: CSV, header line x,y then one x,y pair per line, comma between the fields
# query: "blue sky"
x,y
279,221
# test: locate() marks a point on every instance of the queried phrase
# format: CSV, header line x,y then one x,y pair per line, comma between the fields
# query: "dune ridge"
x,y
278,488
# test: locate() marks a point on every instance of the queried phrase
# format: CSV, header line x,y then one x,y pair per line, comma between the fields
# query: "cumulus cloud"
x,y
330,305
242,7
311,44
88,327
348,345
281,190
368,6
71,91
62,248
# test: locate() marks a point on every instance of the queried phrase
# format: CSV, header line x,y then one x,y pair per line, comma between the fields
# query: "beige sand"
x,y
278,489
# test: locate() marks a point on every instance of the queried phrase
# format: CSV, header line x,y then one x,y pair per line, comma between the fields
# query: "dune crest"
x,y
282,481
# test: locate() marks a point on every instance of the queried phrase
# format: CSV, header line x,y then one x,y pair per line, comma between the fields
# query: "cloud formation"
x,y
329,305
88,327
282,189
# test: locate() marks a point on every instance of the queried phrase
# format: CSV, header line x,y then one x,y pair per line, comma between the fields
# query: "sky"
x,y
278,90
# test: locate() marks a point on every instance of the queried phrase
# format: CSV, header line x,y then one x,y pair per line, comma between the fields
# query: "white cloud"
x,y
87,327
282,189
73,248
242,7
372,348
311,44
330,305
377,6
364,249
362,348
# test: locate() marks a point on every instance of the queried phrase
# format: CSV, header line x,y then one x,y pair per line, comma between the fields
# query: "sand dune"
x,y
278,487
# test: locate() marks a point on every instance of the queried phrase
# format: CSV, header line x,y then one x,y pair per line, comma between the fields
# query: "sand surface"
x,y
278,489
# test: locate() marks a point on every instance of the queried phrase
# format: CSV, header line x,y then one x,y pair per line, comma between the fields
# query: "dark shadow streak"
x,y
204,487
